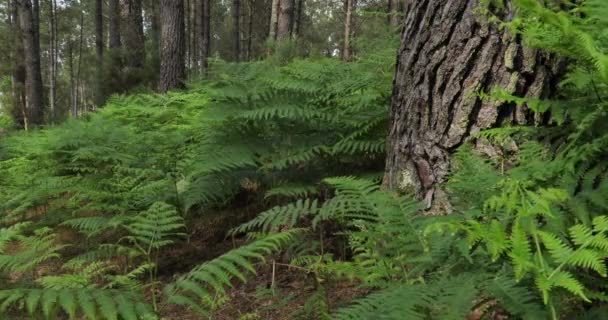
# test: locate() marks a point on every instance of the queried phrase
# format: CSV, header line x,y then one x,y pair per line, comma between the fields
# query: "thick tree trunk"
x,y
172,68
349,6
274,20
114,24
449,53
285,24
19,111
99,96
33,80
133,32
236,32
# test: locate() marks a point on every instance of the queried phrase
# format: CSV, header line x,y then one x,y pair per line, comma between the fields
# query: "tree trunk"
x,y
205,41
236,33
33,80
99,96
172,68
285,24
348,30
133,32
250,15
78,72
393,13
52,58
195,28
449,53
274,19
19,111
114,24
298,18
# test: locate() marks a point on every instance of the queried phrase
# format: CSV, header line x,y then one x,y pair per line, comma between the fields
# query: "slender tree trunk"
x,y
449,53
348,29
298,18
33,80
99,96
19,111
188,33
236,33
80,46
285,25
52,59
205,40
155,36
194,36
393,13
251,13
114,24
172,68
73,104
274,20
133,32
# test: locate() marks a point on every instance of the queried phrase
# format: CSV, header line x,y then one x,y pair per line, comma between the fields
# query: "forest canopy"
x,y
303,159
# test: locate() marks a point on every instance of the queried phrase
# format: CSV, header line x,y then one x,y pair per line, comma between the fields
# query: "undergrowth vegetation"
x,y
527,236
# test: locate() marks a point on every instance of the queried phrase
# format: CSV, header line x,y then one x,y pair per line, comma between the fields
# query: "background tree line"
x,y
64,58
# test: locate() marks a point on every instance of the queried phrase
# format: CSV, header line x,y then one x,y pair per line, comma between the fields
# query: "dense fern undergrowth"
x,y
527,237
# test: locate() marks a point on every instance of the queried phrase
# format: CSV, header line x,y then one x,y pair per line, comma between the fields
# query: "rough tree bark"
x,y
53,55
349,6
285,24
297,23
236,32
33,79
172,68
448,53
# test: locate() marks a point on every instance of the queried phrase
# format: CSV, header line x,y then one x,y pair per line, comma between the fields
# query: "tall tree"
x,y
33,79
448,53
19,111
274,19
236,32
349,7
133,32
53,57
298,18
393,13
286,15
172,68
114,24
203,35
99,96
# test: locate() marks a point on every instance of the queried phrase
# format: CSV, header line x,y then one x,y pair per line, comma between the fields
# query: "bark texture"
x,y
19,110
99,97
172,68
31,47
449,53
205,36
286,15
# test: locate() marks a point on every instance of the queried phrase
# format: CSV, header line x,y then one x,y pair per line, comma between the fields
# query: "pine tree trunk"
x,y
236,32
172,68
114,24
274,19
298,18
19,110
33,79
52,59
285,24
449,53
350,6
250,15
99,97
133,32
205,36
